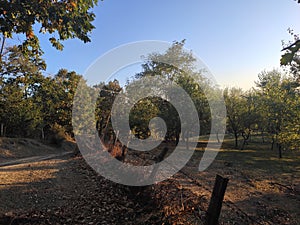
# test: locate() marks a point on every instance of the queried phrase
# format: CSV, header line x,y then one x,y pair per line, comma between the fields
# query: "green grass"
x,y
258,157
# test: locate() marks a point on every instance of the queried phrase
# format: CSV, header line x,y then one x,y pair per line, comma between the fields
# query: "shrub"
x,y
58,134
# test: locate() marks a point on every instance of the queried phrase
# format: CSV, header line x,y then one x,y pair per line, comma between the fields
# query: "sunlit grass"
x,y
258,159
27,173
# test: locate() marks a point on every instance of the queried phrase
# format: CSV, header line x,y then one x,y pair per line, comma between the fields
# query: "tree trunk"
x,y
2,47
236,139
279,151
116,138
218,139
262,136
43,133
243,145
273,142
105,129
124,148
2,130
246,138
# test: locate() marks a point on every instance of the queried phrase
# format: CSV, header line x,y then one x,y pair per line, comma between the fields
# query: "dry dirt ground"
x,y
64,190
16,149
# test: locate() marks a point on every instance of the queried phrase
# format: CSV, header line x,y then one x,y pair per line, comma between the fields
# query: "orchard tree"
x,y
141,114
178,65
243,115
235,105
250,116
290,132
272,102
279,99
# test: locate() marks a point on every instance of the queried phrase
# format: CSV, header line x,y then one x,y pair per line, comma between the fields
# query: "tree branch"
x,y
2,47
290,46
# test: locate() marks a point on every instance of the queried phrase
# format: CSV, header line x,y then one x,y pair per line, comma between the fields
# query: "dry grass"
x,y
14,148
24,174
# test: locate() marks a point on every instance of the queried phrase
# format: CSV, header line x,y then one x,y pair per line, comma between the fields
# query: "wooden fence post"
x,y
216,200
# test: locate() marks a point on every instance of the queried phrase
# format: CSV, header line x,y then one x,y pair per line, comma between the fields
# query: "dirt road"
x,y
34,159
59,189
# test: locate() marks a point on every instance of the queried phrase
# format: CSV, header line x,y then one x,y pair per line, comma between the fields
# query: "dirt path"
x,y
34,159
64,190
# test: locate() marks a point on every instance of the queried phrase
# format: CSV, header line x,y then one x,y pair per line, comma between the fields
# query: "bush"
x,y
58,134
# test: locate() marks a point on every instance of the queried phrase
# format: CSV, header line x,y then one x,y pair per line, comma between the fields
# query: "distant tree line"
x,y
37,106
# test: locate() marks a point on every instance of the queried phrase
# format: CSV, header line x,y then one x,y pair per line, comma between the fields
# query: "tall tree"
x,y
20,116
55,96
178,65
20,77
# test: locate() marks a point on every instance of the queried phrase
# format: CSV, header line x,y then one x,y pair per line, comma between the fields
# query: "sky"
x,y
236,39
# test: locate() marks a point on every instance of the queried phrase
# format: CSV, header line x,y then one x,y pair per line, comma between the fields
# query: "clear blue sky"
x,y
236,39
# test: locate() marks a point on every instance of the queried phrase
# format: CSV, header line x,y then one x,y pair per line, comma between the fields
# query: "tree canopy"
x,y
61,19
290,55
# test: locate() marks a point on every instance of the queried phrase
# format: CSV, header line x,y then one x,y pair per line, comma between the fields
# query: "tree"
x,y
15,64
280,102
55,97
235,105
141,114
20,77
177,65
250,117
63,18
20,116
273,103
105,100
290,132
